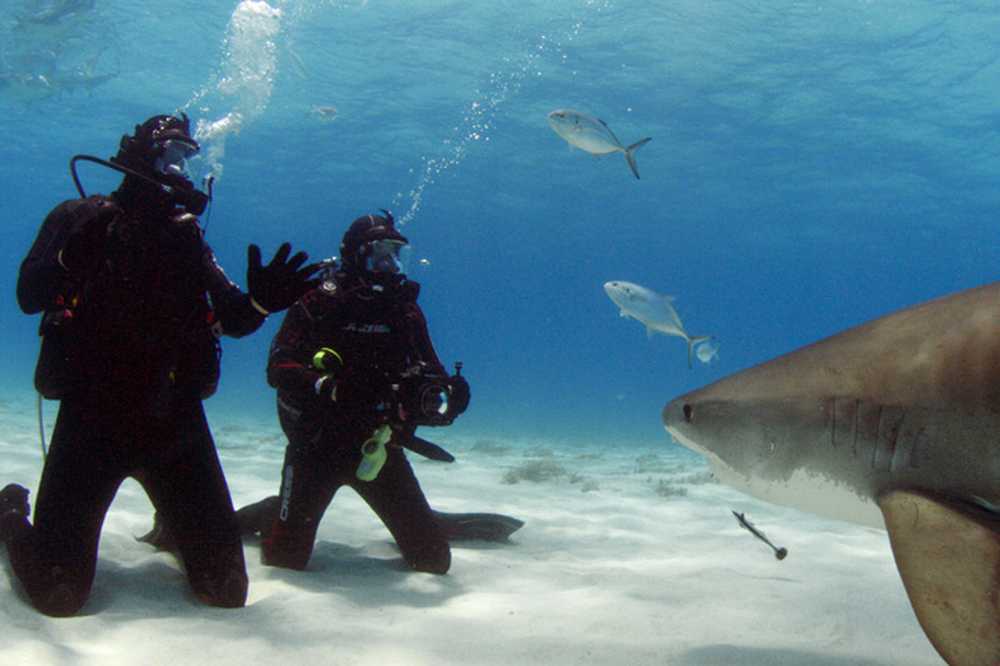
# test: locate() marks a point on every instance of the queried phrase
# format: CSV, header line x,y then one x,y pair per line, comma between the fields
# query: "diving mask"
x,y
173,157
382,256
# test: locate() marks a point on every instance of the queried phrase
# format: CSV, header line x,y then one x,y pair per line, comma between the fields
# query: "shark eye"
x,y
688,412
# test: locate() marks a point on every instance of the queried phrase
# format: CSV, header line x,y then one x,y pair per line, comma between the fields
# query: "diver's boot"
x,y
14,510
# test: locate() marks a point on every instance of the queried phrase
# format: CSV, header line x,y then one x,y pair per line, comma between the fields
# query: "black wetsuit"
x,y
144,343
378,333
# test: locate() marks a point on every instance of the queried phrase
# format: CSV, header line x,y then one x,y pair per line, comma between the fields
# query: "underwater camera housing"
x,y
423,396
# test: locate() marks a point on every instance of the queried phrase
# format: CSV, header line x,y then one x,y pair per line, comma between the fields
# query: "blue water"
x,y
813,165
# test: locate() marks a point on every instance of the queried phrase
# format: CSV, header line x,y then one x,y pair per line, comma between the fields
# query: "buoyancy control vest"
x,y
142,322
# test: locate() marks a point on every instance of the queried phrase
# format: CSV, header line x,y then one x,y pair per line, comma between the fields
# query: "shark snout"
x,y
677,413
678,418
700,421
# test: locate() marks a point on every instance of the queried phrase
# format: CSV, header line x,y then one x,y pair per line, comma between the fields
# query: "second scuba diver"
x,y
356,373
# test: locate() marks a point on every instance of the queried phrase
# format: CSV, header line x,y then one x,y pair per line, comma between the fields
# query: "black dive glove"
x,y
86,246
460,394
279,284
355,394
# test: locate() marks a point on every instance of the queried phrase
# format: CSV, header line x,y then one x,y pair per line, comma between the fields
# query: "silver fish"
x,y
707,352
655,311
593,135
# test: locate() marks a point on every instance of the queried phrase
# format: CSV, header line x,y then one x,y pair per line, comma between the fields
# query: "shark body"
x,y
894,423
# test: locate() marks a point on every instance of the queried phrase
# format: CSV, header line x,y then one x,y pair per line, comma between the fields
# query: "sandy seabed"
x,y
629,556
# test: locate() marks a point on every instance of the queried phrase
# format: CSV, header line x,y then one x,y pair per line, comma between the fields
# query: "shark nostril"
x,y
688,412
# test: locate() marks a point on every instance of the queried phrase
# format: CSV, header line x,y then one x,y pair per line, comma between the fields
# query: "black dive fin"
x,y
948,554
481,526
258,517
425,448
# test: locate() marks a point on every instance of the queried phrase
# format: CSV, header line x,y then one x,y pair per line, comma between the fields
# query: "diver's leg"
x,y
189,491
396,497
307,488
55,558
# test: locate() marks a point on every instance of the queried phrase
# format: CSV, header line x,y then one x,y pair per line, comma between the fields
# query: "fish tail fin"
x,y
692,341
630,155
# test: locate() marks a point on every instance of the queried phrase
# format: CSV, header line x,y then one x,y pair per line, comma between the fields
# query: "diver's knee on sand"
x,y
226,589
58,593
287,548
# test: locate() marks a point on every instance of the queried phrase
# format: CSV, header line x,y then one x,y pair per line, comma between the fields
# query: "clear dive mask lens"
x,y
174,156
382,256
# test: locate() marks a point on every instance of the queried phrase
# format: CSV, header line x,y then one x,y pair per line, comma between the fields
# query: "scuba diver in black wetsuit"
x,y
134,303
356,373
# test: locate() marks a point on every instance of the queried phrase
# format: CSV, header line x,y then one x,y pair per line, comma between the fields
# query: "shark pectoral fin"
x,y
948,555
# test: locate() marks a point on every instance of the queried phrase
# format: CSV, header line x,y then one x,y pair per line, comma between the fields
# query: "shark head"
x,y
763,435
895,423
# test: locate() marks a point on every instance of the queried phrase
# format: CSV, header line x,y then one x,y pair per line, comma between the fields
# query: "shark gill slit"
x,y
855,427
877,439
890,422
895,445
833,423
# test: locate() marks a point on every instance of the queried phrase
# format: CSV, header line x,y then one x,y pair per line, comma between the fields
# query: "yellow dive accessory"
x,y
324,356
373,453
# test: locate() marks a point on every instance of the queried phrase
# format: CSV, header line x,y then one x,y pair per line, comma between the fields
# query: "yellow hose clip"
x,y
321,358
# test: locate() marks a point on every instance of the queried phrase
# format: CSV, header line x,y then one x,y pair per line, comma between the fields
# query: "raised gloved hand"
x,y
282,282
460,394
87,244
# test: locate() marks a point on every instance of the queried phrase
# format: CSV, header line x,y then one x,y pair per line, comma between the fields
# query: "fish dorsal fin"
x,y
620,144
948,555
